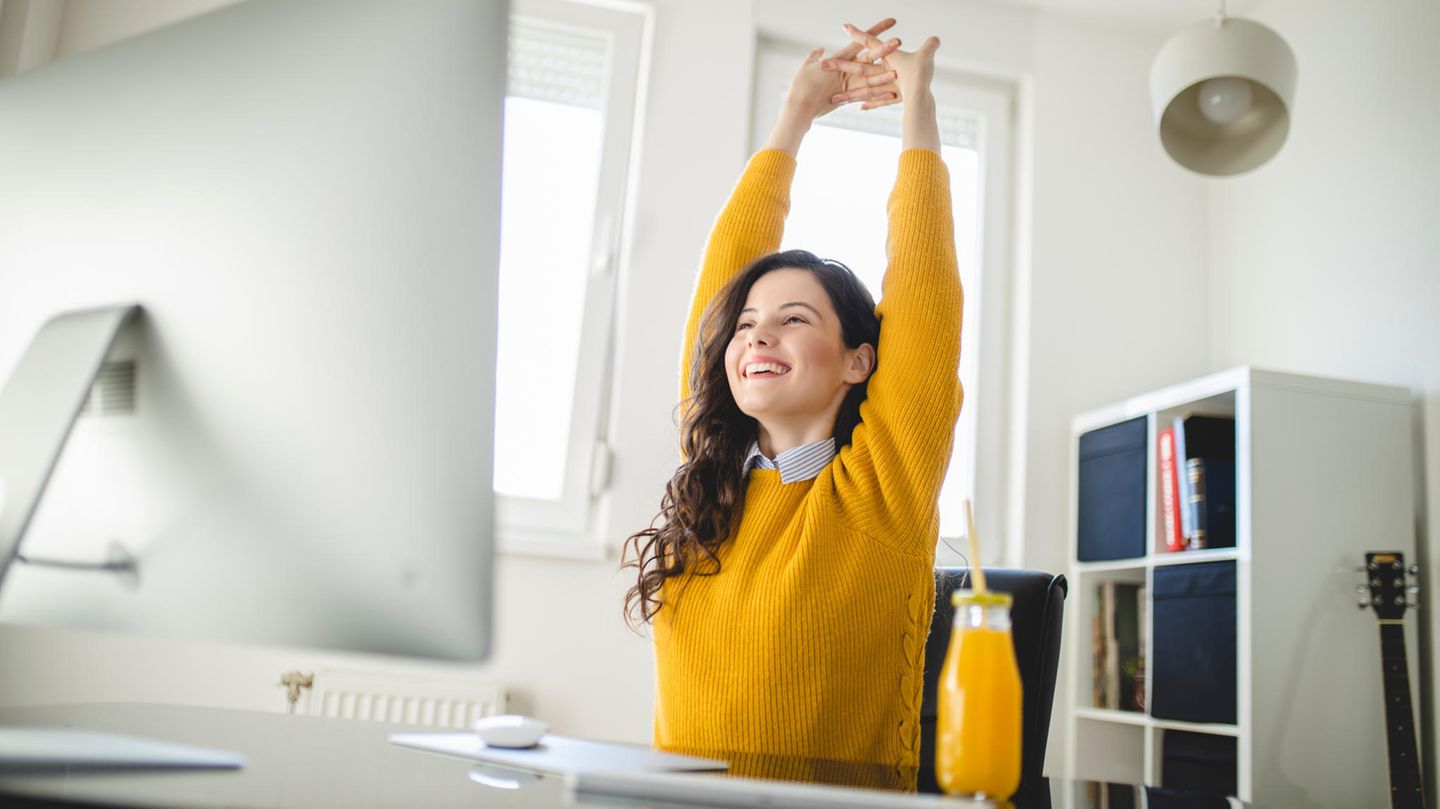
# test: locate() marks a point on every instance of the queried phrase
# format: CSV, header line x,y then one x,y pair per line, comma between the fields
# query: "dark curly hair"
x,y
704,499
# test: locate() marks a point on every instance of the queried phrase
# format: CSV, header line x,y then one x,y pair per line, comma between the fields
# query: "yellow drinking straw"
x,y
976,573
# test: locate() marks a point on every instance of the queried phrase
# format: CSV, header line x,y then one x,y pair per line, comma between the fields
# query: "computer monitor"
x,y
293,438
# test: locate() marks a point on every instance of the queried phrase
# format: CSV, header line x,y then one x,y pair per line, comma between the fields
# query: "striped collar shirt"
x,y
795,464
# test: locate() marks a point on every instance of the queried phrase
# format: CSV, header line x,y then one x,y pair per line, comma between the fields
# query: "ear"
x,y
862,363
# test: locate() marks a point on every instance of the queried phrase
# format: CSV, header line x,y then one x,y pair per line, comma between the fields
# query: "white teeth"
x,y
759,367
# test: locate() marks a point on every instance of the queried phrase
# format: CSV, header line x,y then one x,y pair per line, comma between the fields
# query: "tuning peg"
x,y
1363,604
1413,570
1413,605
1362,590
1412,590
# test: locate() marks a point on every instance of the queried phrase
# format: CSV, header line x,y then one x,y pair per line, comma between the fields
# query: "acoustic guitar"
x,y
1387,594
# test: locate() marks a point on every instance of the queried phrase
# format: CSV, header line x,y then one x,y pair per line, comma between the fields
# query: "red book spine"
x,y
1170,491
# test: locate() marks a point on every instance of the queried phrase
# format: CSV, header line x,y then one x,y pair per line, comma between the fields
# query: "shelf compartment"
x,y
1114,605
1198,761
1113,468
1211,443
1193,660
1109,751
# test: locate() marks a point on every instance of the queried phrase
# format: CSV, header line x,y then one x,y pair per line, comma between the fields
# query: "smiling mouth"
x,y
765,370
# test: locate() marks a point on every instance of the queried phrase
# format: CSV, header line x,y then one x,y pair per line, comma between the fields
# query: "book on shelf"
x,y
1205,470
1099,646
1195,502
1112,650
1138,679
1097,650
1117,646
1170,491
1127,644
1213,486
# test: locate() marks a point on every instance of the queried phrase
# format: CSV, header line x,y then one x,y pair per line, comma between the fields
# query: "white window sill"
x,y
551,545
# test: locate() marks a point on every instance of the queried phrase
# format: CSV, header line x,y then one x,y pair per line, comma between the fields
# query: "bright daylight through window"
x,y
569,108
553,130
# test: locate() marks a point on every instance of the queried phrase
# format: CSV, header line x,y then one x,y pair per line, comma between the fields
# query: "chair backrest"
x,y
1035,619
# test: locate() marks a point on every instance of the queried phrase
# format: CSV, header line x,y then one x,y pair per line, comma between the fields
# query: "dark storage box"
x,y
1112,492
1199,761
1166,798
1194,624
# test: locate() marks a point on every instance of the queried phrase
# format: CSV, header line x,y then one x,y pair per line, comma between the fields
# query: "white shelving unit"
x,y
1325,470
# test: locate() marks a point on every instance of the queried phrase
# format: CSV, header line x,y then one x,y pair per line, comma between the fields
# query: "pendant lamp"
x,y
1222,91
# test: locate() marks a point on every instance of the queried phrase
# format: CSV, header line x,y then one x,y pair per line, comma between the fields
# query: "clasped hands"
x,y
869,70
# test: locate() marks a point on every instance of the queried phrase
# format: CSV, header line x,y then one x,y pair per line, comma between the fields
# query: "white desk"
x,y
314,763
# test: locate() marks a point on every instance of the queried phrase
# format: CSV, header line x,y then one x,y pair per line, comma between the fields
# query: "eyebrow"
x,y
787,306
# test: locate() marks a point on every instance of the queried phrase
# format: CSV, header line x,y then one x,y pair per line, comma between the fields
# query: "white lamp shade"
x,y
1245,135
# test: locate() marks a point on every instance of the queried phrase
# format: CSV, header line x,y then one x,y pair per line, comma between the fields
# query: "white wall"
x,y
1327,260
1118,302
93,23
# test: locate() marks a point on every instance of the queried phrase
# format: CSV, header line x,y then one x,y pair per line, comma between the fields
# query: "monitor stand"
x,y
38,408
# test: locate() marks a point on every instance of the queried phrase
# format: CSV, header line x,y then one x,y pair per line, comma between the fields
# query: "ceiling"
x,y
1151,15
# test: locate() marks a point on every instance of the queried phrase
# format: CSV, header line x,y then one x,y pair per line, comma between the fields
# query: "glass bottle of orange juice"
x,y
977,734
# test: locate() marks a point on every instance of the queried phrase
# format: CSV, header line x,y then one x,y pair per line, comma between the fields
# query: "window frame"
x,y
565,527
995,102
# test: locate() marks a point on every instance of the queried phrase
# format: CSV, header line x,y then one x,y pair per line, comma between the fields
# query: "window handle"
x,y
602,259
600,463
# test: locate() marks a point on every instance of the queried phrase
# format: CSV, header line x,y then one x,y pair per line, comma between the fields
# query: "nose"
x,y
759,335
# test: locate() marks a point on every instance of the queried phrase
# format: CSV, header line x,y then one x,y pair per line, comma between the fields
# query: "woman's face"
x,y
787,362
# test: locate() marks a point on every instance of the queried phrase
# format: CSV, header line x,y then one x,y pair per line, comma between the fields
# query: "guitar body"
x,y
1389,597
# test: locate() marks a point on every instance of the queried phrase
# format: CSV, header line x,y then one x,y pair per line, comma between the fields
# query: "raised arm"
x,y
753,220
902,447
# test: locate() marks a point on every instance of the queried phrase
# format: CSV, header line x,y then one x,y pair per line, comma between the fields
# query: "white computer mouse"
x,y
509,730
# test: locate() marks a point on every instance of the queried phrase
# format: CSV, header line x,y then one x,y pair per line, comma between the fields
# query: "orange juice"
x,y
977,733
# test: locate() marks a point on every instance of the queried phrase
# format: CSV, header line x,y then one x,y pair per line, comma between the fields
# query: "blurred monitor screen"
x,y
294,440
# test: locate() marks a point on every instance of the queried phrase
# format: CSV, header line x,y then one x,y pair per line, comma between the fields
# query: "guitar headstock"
x,y
1385,588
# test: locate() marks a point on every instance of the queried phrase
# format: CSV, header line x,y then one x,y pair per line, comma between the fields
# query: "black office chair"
x,y
1035,618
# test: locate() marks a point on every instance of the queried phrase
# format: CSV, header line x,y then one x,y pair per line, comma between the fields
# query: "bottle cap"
x,y
990,598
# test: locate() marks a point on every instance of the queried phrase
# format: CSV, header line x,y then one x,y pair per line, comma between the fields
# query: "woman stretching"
x,y
790,579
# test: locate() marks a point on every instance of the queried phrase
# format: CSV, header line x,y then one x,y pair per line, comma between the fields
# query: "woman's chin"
x,y
757,413
762,407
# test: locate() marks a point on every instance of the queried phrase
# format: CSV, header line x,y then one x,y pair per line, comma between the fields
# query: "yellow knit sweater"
x,y
810,641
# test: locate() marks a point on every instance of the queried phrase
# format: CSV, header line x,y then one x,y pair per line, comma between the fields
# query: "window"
x,y
845,173
569,112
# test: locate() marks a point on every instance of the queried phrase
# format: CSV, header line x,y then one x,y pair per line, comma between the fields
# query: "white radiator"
x,y
431,702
